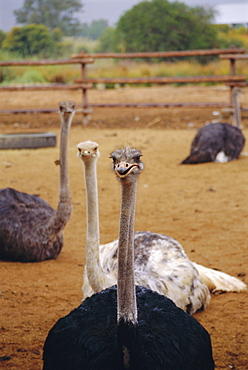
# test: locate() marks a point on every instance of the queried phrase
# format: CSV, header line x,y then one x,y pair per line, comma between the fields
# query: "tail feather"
x,y
218,281
199,156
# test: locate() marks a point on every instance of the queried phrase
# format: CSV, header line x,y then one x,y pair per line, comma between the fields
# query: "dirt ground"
x,y
205,207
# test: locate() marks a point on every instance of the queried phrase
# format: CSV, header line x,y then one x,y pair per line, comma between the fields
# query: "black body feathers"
x,y
165,337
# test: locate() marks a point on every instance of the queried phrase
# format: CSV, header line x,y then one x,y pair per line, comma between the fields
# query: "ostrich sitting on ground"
x,y
31,230
127,327
217,142
158,258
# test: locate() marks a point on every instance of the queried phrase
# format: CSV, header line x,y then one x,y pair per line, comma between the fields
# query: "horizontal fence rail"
x,y
235,56
84,83
48,62
163,54
159,105
47,87
166,80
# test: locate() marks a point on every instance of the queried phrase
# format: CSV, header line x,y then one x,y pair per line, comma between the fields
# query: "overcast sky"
x,y
110,10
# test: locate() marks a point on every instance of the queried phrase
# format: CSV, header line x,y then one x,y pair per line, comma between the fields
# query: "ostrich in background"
x,y
157,258
31,230
127,327
217,142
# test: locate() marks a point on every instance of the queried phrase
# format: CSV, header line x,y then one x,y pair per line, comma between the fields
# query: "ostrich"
x,y
158,258
31,230
217,142
127,327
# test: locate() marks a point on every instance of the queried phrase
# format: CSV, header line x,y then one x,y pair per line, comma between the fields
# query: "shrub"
x,y
30,40
2,37
29,76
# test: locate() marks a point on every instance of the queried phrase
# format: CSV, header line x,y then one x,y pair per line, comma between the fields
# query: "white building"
x,y
230,12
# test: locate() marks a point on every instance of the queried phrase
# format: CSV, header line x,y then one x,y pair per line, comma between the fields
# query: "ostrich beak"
x,y
123,168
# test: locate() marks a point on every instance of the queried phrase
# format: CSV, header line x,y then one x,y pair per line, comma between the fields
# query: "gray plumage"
x,y
217,142
31,230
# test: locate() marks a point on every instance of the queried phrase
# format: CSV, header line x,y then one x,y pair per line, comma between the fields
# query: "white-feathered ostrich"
x,y
31,230
127,327
217,142
161,264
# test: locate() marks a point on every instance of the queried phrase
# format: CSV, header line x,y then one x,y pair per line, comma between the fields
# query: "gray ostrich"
x,y
157,257
31,230
217,142
127,327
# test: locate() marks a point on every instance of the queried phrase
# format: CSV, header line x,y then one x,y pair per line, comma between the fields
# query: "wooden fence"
x,y
84,83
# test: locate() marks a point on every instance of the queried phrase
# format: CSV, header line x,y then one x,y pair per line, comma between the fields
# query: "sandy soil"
x,y
205,207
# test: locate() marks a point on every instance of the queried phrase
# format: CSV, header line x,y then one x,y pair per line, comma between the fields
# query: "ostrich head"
x,y
87,149
127,163
66,108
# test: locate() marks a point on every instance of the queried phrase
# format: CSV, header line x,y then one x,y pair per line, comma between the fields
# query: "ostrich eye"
x,y
113,158
79,150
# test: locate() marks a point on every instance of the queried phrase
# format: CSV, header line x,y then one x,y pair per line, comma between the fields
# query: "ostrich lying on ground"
x,y
30,230
158,258
217,142
127,327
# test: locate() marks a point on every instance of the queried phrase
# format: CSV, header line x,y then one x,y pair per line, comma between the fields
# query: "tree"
x,y
51,13
94,30
160,25
2,36
108,41
30,40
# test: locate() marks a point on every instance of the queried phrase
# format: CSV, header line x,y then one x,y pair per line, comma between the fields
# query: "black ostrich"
x,y
217,142
30,229
127,327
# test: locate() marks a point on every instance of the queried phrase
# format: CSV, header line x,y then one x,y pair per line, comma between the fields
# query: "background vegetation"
x,y
52,14
162,25
156,25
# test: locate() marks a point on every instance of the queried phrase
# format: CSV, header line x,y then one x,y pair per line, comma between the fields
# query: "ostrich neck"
x,y
64,180
63,211
96,276
127,307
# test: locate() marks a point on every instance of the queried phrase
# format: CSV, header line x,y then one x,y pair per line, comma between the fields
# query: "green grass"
x,y
164,69
112,69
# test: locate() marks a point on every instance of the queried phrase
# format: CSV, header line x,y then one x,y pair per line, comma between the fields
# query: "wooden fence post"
x,y
86,110
236,91
232,73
